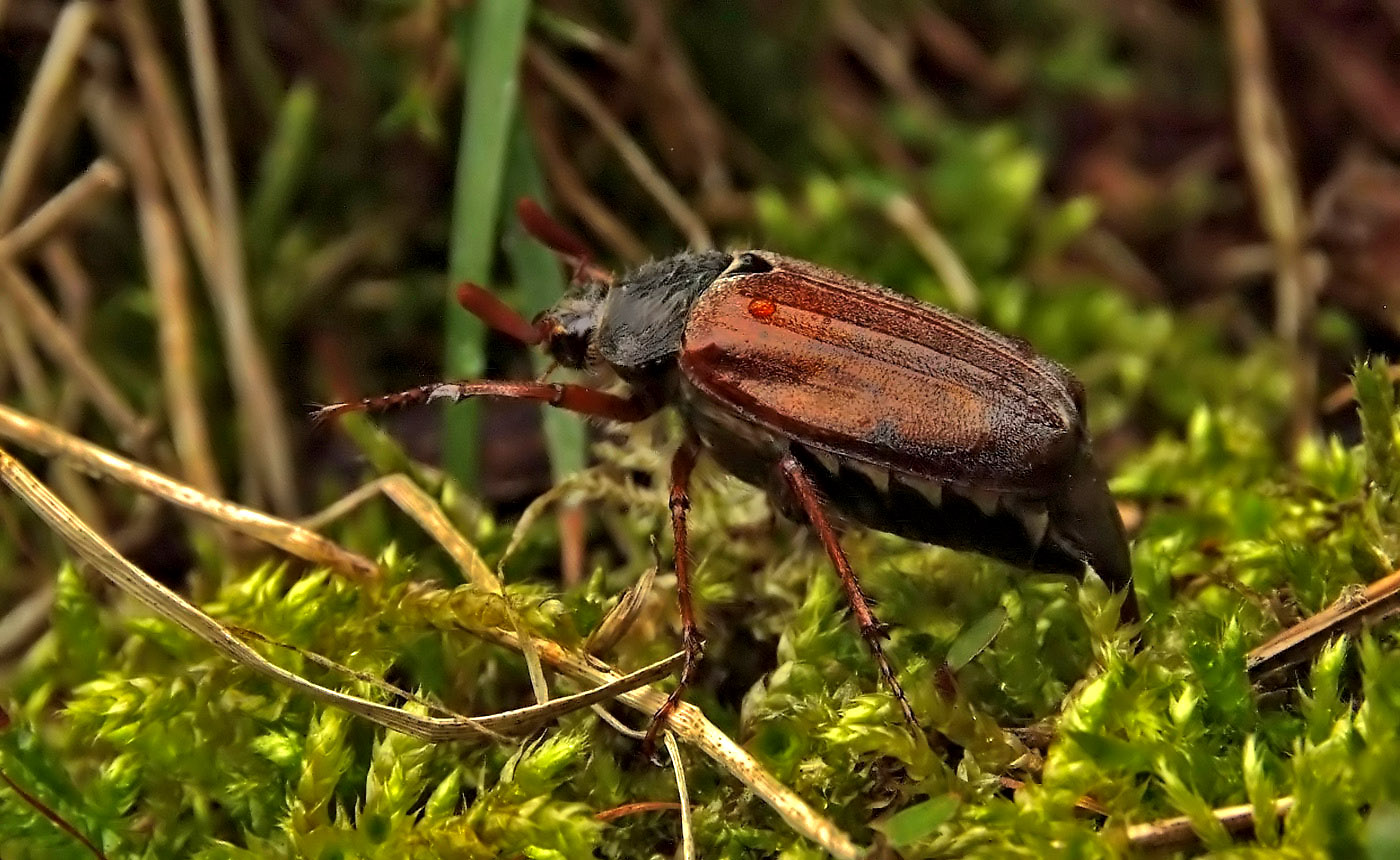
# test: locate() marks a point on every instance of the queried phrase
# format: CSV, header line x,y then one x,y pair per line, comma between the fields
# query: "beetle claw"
x,y
694,652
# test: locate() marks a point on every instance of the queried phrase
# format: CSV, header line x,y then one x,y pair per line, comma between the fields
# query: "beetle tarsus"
x,y
382,403
872,639
694,651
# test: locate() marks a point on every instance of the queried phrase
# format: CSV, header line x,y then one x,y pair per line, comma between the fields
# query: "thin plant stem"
x,y
61,345
29,140
101,178
648,175
49,440
169,128
1269,158
938,252
175,319
263,422
673,750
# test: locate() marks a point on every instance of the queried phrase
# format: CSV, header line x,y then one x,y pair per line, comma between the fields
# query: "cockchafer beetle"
x,y
845,401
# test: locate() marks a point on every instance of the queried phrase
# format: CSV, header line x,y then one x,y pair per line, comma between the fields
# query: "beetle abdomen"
x,y
1006,526
1055,534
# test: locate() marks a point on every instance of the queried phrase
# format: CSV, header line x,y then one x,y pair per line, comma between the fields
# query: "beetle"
x,y
846,402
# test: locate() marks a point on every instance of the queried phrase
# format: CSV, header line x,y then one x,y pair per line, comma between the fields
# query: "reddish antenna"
x,y
549,232
561,240
498,315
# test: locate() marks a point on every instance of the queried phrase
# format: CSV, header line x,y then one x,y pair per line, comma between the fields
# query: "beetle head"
x,y
569,327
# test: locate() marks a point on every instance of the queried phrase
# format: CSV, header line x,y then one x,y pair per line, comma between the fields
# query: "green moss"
x,y
149,726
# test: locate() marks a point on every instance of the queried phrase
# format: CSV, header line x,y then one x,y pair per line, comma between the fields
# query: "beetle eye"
x,y
748,264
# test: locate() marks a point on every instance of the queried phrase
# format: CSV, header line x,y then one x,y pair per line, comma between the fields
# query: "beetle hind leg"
x,y
871,630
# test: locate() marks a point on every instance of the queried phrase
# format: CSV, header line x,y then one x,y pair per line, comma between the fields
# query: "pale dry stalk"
x,y
21,360
120,130
263,423
174,608
571,188
101,178
28,143
66,351
170,131
574,91
902,212
52,442
1175,834
1269,159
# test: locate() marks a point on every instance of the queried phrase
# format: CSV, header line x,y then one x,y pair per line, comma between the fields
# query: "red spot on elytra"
x,y
762,308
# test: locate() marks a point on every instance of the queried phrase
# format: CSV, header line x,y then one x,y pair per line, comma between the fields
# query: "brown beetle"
x,y
845,401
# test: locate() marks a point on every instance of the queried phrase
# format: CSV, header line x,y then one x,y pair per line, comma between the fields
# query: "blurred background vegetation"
x,y
1194,205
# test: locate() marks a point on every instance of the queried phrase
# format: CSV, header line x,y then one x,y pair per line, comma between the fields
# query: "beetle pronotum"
x,y
841,399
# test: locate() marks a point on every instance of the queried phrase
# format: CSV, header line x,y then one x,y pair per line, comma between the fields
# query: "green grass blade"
x,y
490,41
281,173
539,283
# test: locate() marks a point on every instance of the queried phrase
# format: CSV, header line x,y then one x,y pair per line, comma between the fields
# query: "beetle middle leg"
x,y
870,628
682,464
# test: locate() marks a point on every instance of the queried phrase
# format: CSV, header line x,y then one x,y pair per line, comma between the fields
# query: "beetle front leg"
x,y
682,464
574,398
870,628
